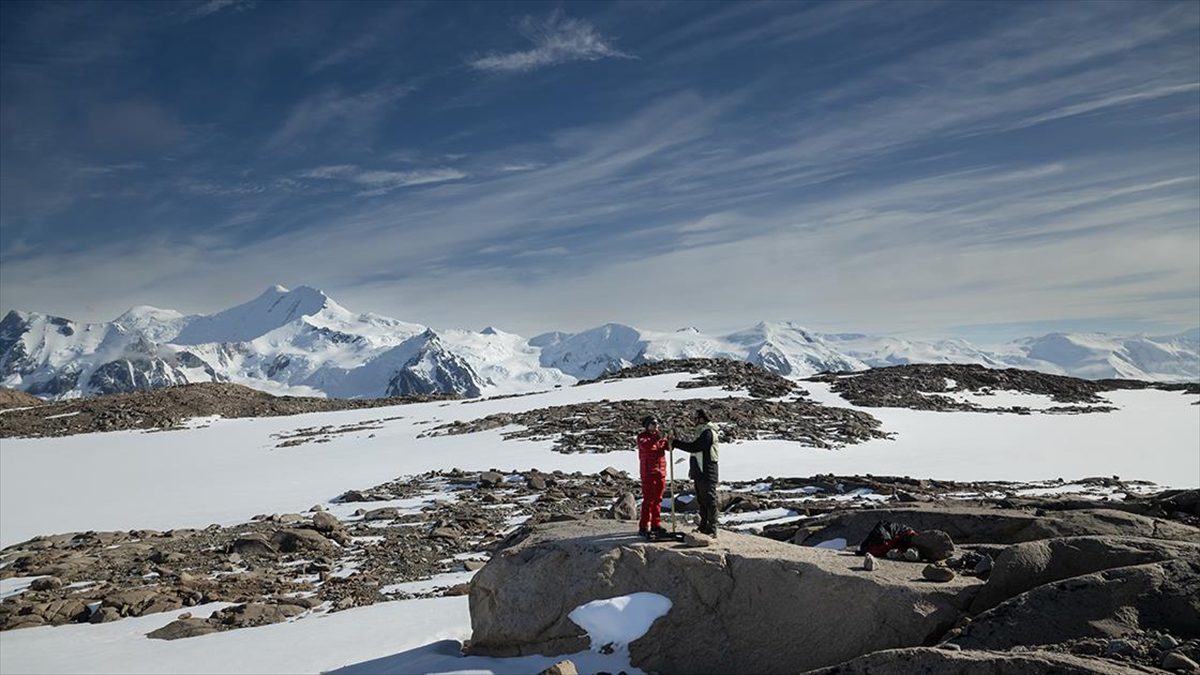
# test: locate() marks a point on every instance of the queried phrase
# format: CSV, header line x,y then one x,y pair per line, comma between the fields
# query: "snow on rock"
x,y
620,620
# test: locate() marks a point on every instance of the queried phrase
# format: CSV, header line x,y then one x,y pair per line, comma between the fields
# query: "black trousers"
x,y
706,496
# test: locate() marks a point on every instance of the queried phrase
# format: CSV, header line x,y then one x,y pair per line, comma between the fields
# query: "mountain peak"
x,y
276,307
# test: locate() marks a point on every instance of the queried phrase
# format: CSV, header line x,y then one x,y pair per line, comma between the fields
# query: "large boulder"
x,y
975,525
1163,596
933,661
820,607
1027,565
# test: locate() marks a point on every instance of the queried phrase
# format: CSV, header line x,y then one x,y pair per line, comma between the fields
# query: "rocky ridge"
x,y
171,407
930,386
607,426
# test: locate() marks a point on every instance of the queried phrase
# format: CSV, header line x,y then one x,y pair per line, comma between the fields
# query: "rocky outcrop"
x,y
13,398
609,426
974,525
1163,596
933,661
170,407
924,387
1031,564
821,607
755,379
434,370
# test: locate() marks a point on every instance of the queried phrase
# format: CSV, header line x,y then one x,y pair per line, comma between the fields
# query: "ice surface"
x,y
620,620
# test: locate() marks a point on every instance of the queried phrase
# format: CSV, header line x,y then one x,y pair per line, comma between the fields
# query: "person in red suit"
x,y
652,448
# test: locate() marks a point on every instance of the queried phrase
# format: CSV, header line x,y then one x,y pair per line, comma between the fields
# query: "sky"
x,y
987,170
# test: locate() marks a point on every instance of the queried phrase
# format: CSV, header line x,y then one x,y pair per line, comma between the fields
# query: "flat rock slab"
x,y
744,604
1031,564
932,661
977,525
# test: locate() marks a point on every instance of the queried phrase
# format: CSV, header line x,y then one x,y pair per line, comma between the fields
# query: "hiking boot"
x,y
644,534
659,531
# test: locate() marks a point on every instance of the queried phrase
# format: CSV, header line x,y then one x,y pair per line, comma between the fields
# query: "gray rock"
x,y
726,592
46,584
385,513
972,525
937,573
1163,596
985,566
1167,642
933,545
253,545
105,615
325,522
1176,662
698,540
1118,648
1031,564
624,508
290,541
869,562
489,479
911,555
182,628
937,661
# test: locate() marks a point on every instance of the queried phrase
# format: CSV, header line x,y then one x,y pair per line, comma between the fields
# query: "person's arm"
x,y
701,444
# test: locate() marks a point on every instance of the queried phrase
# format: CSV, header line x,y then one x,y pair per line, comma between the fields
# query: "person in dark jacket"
x,y
703,468
652,449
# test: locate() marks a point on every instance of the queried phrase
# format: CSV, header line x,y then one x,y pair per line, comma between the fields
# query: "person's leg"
x,y
710,506
654,499
702,502
644,517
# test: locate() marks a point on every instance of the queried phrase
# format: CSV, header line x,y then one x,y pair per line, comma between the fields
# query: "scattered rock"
x,y
937,573
869,562
1176,662
324,521
624,508
490,479
564,667
697,540
46,584
933,545
105,615
290,541
182,628
385,513
253,545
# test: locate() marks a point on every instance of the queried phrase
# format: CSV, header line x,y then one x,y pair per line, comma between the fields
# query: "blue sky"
x,y
924,168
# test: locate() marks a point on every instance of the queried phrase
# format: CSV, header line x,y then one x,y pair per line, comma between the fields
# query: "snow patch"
x,y
620,620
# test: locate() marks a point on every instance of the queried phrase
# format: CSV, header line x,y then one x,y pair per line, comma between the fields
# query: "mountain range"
x,y
301,342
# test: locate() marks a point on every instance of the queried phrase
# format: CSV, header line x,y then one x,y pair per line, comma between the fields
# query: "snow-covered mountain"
x,y
301,342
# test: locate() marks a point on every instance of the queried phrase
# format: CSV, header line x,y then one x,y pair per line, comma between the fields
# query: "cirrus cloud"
x,y
556,39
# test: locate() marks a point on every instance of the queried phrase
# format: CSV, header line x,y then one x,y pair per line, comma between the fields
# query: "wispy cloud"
x,y
214,6
556,39
350,115
377,182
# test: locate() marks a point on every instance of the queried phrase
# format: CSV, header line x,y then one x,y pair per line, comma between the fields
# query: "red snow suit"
x,y
652,450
